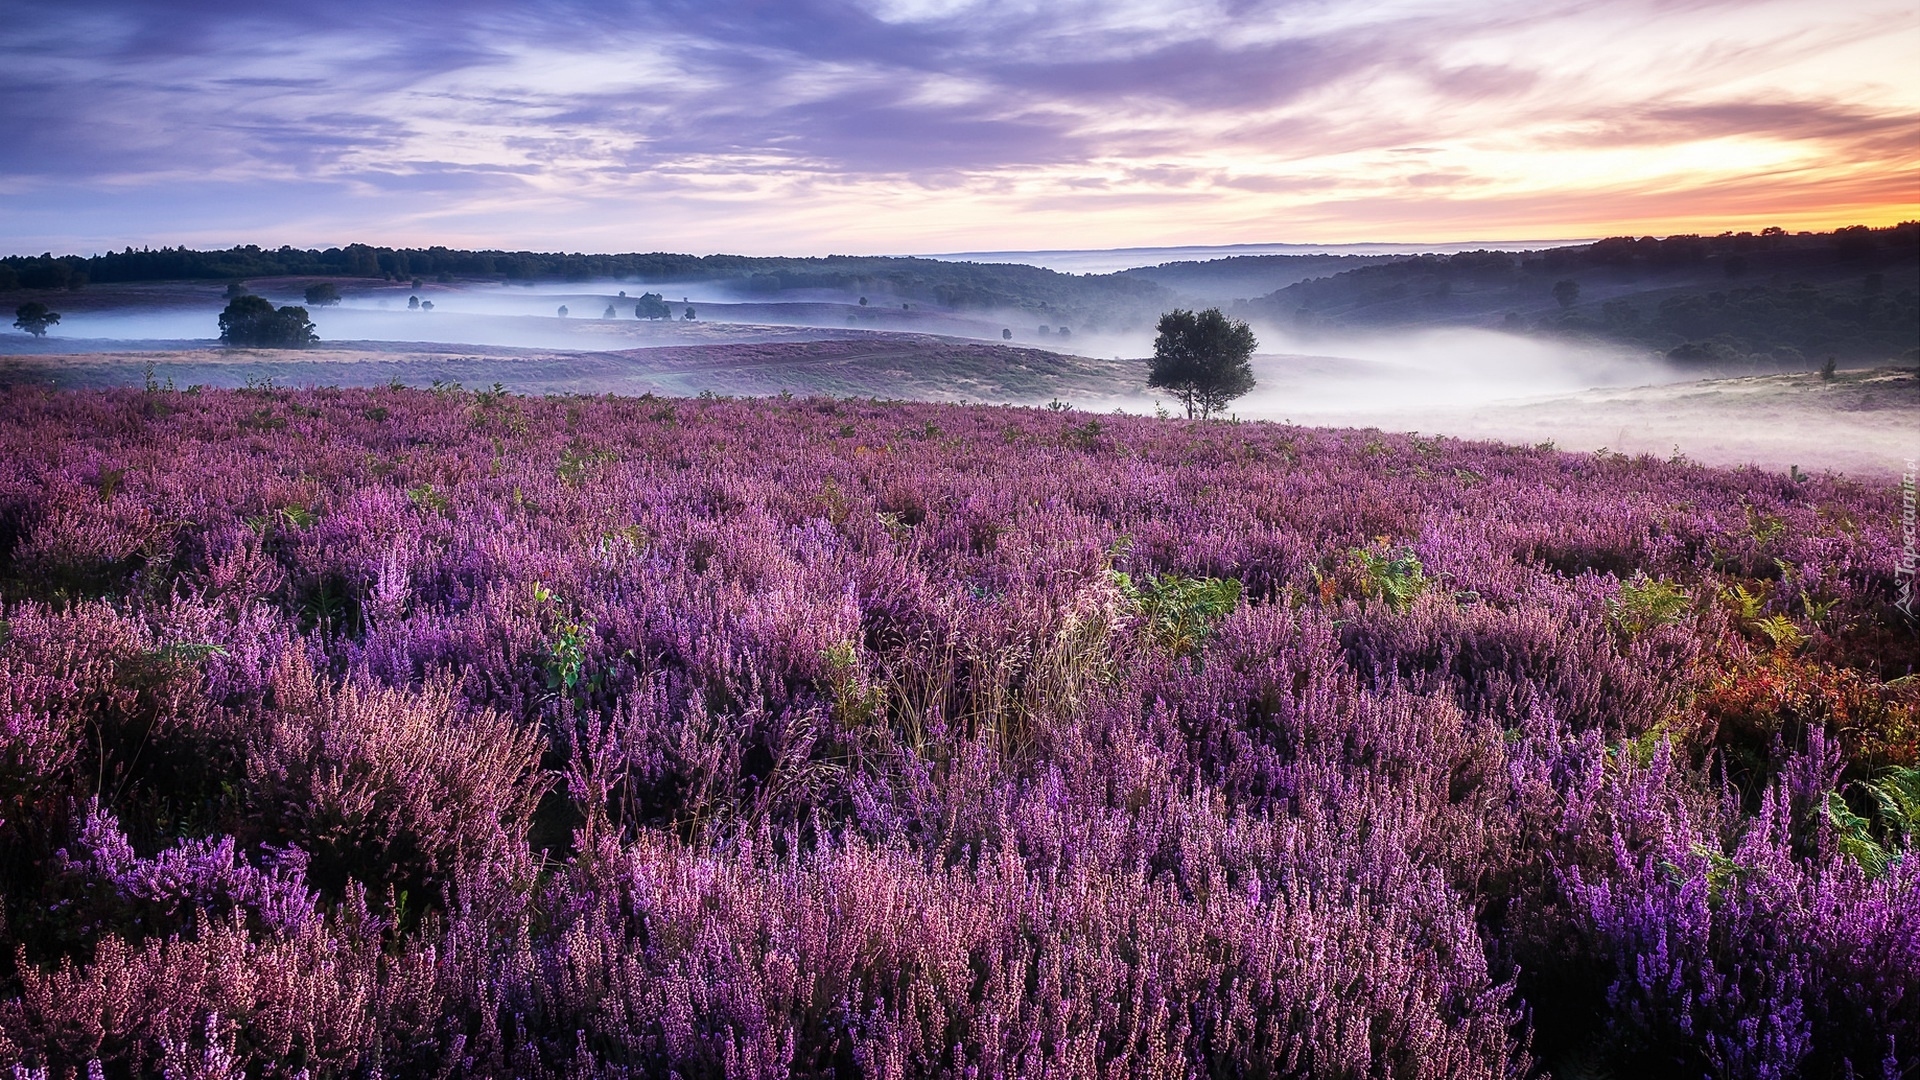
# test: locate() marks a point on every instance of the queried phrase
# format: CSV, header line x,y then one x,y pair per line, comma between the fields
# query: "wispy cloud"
x,y
929,124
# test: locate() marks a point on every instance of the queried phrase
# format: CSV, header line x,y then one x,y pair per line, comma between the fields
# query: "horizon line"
x,y
1403,246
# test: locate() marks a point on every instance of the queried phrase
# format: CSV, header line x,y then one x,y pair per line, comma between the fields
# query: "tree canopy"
x,y
1203,359
251,320
324,294
652,306
34,318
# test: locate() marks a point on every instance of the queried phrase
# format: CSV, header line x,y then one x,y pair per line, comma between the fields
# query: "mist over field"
x,y
1394,357
1346,371
1420,341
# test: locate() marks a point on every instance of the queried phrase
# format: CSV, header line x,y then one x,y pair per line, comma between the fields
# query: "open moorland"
x,y
401,732
1708,347
915,367
1861,422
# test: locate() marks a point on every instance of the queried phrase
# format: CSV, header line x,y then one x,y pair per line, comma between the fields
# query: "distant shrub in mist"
x,y
652,306
252,320
35,318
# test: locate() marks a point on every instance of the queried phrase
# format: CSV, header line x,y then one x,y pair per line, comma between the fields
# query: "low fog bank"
x,y
576,316
1329,380
1864,423
1339,374
1451,381
1357,379
570,316
1480,384
349,324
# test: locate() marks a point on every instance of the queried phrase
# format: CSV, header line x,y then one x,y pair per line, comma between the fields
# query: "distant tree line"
x,y
1770,296
963,283
1089,298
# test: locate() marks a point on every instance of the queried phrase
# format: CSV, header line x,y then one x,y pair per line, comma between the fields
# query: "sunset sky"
x,y
898,126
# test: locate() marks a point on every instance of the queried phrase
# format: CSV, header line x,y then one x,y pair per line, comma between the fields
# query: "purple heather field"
x,y
432,733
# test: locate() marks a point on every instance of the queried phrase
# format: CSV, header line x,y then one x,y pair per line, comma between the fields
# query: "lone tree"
x,y
1566,292
34,318
251,320
1203,359
325,294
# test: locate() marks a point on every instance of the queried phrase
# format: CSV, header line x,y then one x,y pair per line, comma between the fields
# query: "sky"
x,y
900,126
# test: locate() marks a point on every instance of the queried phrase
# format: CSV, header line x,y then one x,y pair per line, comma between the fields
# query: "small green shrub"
x,y
1391,576
1894,799
426,498
1746,603
857,704
576,464
565,664
1084,436
1780,630
1722,871
1644,603
1179,612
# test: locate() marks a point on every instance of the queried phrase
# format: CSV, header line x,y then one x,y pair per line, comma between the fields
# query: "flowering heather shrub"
x,y
383,787
395,732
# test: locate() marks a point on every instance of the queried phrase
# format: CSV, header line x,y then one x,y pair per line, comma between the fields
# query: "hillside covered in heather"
x,y
407,733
